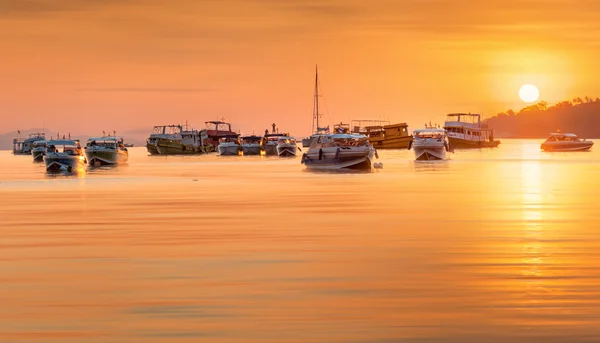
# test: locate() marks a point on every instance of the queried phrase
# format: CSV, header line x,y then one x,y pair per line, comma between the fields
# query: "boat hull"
x,y
429,154
391,143
286,150
254,149
38,154
168,147
105,156
459,143
229,150
152,150
60,162
270,149
339,159
566,147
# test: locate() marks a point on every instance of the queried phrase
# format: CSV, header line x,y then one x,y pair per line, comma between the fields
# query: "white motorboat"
x,y
270,142
566,142
38,150
251,145
339,151
106,150
430,144
64,155
229,145
286,146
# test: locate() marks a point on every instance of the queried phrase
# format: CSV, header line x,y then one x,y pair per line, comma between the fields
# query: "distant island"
x,y
579,116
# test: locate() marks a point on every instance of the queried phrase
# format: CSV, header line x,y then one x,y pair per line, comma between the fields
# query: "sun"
x,y
529,93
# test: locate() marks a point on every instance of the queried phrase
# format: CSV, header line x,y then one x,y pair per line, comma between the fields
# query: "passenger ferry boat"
x,y
162,132
465,131
339,151
382,134
107,150
64,155
566,142
24,146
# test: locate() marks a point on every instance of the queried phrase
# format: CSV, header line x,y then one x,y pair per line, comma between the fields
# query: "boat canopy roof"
x,y
429,130
283,138
276,135
63,142
563,134
41,141
230,136
106,139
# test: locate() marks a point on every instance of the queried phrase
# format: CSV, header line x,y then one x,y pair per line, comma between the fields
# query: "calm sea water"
x,y
496,245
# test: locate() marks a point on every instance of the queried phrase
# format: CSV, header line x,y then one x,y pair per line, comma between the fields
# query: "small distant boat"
x,y
465,131
128,145
106,150
64,155
339,151
24,146
430,144
566,142
251,145
316,129
38,150
382,134
230,145
286,146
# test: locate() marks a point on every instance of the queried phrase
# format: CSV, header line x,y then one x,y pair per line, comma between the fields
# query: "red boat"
x,y
215,130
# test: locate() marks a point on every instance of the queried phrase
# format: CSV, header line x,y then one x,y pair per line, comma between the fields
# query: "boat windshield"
x,y
287,140
563,138
437,134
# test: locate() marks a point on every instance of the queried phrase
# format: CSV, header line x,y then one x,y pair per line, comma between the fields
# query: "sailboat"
x,y
316,130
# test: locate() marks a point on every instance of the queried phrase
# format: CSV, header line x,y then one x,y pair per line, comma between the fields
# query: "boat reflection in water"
x,y
339,151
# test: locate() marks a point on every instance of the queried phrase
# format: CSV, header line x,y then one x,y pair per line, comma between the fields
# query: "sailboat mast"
x,y
316,104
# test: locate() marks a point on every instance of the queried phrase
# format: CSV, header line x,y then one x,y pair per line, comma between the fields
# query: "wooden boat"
x,y
465,131
162,132
382,134
566,142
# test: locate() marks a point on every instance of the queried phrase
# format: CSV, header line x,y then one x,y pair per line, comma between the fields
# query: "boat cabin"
x,y
467,126
107,142
70,147
40,144
230,139
251,139
429,133
339,140
563,137
286,140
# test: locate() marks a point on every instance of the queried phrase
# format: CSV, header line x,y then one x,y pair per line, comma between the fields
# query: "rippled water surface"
x,y
495,245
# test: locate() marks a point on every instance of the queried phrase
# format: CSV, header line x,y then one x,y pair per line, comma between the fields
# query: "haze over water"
x,y
494,245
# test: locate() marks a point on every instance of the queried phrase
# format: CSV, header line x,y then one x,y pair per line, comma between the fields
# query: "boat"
x,y
215,130
270,142
230,145
185,142
465,131
382,134
128,145
38,150
339,151
162,131
341,128
286,146
430,144
316,130
251,145
24,146
107,150
566,142
64,155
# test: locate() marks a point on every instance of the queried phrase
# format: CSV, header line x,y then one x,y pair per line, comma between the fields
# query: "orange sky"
x,y
79,65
